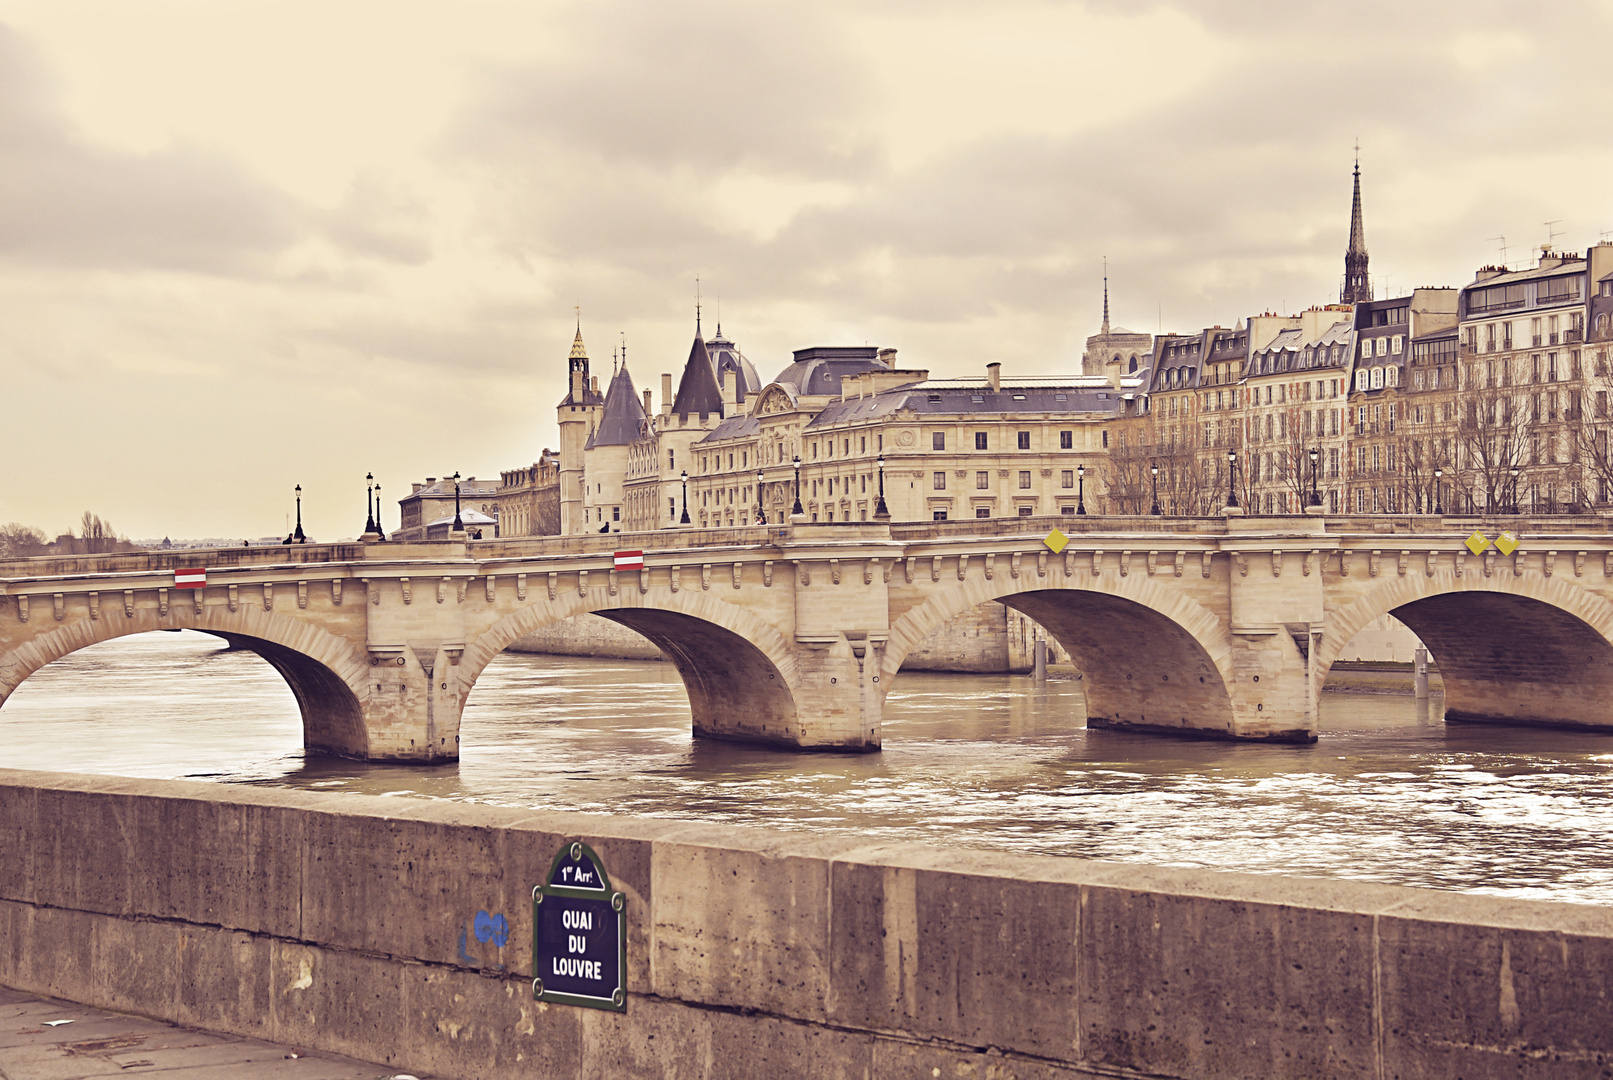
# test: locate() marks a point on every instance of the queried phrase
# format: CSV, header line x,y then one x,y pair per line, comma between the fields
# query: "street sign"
x,y
1477,542
1506,543
1056,540
630,560
195,578
579,934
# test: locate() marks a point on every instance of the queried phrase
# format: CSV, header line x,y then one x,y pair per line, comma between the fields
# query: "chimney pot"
x,y
887,357
666,394
994,376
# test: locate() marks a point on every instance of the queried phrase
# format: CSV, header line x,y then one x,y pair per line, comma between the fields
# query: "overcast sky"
x,y
250,245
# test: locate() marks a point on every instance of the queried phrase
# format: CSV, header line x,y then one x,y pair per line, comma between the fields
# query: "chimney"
x,y
994,376
730,389
666,394
578,381
887,357
1116,373
596,384
647,402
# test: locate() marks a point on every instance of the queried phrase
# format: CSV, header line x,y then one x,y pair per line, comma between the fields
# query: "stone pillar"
x,y
414,636
1277,617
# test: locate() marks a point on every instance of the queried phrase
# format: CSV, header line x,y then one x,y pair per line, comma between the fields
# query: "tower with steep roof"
x,y
578,415
1357,284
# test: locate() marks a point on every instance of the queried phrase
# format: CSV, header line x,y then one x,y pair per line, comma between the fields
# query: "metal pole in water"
x,y
1420,683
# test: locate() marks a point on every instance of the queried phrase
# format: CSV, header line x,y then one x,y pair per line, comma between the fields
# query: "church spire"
x,y
1105,329
1357,283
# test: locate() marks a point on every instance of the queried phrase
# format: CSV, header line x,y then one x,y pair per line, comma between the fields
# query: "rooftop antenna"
x,y
1106,294
1503,241
624,348
1552,234
697,304
613,363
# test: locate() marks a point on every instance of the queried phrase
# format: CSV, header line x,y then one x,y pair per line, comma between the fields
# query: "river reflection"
x,y
988,761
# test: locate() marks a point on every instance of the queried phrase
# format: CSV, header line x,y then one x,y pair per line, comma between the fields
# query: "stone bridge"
x,y
1222,627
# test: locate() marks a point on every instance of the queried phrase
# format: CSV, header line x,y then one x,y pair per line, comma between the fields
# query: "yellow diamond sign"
x,y
1056,540
1477,542
1506,543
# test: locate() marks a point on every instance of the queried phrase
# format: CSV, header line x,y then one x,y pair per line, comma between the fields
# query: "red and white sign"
x,y
630,560
191,579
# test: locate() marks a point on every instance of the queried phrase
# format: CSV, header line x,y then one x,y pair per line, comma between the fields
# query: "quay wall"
x,y
990,637
350,923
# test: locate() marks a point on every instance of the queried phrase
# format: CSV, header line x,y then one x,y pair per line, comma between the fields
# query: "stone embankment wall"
x,y
357,925
987,638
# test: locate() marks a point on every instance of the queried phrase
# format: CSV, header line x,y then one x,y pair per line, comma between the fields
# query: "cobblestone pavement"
x,y
36,1045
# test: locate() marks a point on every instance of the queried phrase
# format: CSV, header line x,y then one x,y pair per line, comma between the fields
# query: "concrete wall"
x,y
342,922
988,638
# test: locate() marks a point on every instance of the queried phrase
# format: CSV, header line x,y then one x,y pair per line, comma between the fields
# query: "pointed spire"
x,y
698,391
1105,329
579,351
697,305
1357,286
1358,233
623,416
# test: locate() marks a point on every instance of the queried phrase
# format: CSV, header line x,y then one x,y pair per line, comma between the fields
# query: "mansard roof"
x,y
623,416
817,372
1034,394
698,391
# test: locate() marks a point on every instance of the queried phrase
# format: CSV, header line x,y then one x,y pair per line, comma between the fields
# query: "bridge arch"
x,y
1149,657
326,676
1511,648
739,671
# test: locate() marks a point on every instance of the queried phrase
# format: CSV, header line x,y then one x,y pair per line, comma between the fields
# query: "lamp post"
x,y
459,526
1513,472
1439,495
1081,489
1316,460
298,536
761,511
796,510
1154,469
684,476
1232,479
379,531
881,511
369,511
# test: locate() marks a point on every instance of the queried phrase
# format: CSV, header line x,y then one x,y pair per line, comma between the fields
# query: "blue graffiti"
x,y
492,928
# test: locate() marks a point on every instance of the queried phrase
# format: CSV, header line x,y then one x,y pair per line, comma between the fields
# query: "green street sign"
x,y
579,934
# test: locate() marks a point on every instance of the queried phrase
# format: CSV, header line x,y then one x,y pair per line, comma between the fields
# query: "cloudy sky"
x,y
250,245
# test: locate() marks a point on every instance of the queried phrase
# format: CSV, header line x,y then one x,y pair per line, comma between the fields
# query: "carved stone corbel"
x,y
677,578
22,609
1241,560
268,598
868,571
336,592
492,587
162,600
1013,565
59,606
1153,562
834,571
408,594
963,567
909,569
235,600
1373,564
1489,561
1125,563
767,574
464,587
705,577
1344,563
736,574
643,580
1458,560
198,596
1405,561
1430,562
302,594
1041,564
611,582
935,568
991,565
520,587
442,589
554,584
885,570
1517,564
95,604
1579,564
1550,563
1607,564
1208,555
1276,563
1097,563
1181,563
128,602
803,574
1069,562
1309,563
582,583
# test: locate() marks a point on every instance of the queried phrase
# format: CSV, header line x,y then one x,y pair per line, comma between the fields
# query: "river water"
x,y
989,761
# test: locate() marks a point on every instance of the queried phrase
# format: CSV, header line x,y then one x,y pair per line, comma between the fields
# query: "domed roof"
x,y
817,372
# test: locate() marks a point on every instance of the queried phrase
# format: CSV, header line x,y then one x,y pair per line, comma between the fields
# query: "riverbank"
x,y
344,923
1379,677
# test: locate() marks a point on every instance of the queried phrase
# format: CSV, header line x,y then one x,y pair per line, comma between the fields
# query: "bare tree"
x,y
1492,436
18,541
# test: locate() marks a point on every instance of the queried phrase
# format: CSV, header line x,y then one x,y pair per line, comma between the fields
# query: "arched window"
x,y
1133,368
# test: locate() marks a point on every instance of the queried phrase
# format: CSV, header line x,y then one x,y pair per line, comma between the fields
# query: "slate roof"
x,y
734,427
727,358
698,391
1048,394
817,372
623,417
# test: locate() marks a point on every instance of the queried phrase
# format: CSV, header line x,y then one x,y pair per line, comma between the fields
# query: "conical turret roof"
x,y
698,391
579,351
622,419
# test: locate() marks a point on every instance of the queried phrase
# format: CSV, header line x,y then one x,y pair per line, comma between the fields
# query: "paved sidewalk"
x,y
100,1043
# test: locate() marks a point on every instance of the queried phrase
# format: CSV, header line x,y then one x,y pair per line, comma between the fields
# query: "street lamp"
x,y
298,536
379,531
369,511
1514,474
881,511
684,476
1232,479
1081,489
1439,495
796,510
1316,494
1154,468
761,511
459,526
